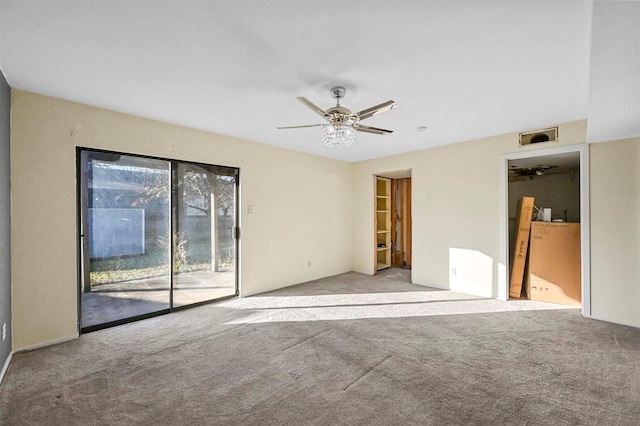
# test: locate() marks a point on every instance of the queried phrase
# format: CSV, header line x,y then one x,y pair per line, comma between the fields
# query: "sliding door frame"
x,y
83,260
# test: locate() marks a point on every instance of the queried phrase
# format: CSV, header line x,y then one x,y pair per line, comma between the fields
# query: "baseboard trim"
x,y
599,318
46,344
5,367
433,286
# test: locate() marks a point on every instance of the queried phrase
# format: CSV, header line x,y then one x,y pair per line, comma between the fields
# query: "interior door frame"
x,y
83,244
585,264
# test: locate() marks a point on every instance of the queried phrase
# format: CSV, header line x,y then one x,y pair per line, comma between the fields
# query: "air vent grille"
x,y
539,136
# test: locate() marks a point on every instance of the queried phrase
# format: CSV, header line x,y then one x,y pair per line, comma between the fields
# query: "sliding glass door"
x,y
204,218
155,235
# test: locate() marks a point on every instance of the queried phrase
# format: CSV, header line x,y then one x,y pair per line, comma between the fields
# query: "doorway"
x,y
156,235
557,180
393,224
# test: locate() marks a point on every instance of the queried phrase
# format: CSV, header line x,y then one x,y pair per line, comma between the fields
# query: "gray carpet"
x,y
350,349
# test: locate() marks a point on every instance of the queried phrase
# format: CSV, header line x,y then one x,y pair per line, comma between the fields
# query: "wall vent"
x,y
539,136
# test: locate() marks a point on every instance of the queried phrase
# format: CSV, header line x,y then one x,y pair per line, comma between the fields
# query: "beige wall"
x,y
301,203
615,231
306,209
456,210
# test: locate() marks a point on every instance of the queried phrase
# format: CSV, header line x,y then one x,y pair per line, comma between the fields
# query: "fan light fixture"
x,y
337,135
342,124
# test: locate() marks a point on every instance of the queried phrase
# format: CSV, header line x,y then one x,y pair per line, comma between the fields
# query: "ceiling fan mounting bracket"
x,y
338,92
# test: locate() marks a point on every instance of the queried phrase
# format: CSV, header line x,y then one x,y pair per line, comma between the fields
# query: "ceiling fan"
x,y
530,171
341,122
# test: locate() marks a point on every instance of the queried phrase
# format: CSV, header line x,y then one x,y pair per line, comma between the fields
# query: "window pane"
x,y
204,254
126,248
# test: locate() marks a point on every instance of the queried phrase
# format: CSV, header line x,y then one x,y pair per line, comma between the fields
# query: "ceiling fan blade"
x,y
313,106
378,109
374,130
298,127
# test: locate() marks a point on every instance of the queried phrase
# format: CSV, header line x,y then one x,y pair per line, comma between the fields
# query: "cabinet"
x,y
383,223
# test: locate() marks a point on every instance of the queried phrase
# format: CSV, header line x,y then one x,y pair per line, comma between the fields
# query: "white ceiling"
x,y
465,70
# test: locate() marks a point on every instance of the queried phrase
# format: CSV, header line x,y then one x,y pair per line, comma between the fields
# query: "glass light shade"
x,y
339,137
